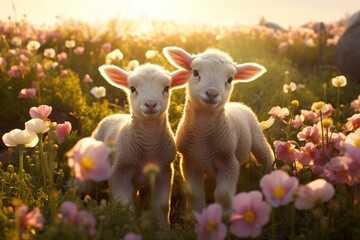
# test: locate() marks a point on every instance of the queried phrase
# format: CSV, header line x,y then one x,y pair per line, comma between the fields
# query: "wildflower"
x,y
289,87
309,42
42,112
3,63
339,81
86,222
37,125
87,79
268,123
307,153
49,52
133,64
355,104
251,213
297,122
318,106
338,170
27,93
16,41
39,70
295,103
14,72
132,236
20,137
327,123
106,47
151,54
70,43
313,193
114,56
278,187
352,144
62,57
68,211
209,224
151,168
88,159
279,113
353,123
33,45
309,134
62,130
286,151
28,220
309,115
98,92
64,74
79,50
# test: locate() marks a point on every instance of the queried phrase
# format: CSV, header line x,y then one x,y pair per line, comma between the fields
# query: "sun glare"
x,y
152,9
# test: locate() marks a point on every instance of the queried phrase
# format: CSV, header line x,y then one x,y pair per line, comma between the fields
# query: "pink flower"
x,y
28,220
338,170
3,63
132,236
353,123
64,74
352,144
309,115
62,57
86,222
88,159
286,151
307,153
279,113
355,105
14,72
251,213
79,51
87,79
106,47
209,224
309,134
297,122
68,212
278,187
42,112
313,193
27,93
62,130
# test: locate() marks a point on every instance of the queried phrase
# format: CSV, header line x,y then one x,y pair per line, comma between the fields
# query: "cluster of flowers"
x,y
251,213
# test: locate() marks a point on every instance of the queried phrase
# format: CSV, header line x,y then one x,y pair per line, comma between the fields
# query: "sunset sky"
x,y
282,12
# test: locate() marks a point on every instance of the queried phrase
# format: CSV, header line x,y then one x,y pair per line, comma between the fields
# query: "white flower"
x,y
339,81
98,92
268,123
309,42
115,55
70,43
289,87
20,137
49,52
37,125
133,64
151,54
16,41
33,45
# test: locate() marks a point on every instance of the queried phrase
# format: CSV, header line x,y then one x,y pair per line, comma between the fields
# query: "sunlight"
x,y
152,9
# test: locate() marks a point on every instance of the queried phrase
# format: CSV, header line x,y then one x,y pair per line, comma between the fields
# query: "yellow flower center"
x,y
357,142
249,216
278,192
87,163
211,226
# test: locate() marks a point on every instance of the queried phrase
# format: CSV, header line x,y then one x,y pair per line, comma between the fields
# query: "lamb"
x,y
215,136
142,136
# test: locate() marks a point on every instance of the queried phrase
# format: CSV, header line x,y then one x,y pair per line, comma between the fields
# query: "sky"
x,y
282,12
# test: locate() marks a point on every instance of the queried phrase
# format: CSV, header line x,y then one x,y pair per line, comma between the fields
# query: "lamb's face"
x,y
210,83
149,92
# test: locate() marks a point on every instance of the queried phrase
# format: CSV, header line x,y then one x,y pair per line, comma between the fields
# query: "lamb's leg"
x,y
226,181
122,188
194,179
262,150
161,199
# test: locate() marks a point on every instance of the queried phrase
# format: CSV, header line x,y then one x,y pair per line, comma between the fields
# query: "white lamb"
x,y
215,136
142,136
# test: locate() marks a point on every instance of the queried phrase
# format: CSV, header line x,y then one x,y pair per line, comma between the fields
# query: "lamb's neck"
x,y
150,126
203,117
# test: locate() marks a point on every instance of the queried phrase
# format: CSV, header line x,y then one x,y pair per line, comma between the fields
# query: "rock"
x,y
347,55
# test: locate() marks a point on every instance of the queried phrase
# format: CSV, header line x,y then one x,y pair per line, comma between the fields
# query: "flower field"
x,y
53,97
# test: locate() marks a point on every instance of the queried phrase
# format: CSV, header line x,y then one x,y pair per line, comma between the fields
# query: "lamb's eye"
x,y
196,73
166,89
132,89
229,80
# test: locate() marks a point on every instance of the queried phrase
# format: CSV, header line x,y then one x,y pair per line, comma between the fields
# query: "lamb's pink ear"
x,y
178,57
179,78
115,76
248,72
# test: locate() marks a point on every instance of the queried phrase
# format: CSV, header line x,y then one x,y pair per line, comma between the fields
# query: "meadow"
x,y
310,114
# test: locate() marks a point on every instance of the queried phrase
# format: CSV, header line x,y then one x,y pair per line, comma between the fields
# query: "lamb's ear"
x,y
178,57
115,76
248,72
179,78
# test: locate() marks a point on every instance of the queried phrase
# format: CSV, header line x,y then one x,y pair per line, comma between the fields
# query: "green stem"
x,y
42,160
322,136
21,148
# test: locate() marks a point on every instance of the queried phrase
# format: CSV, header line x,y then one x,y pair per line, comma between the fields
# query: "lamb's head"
x,y
148,87
211,75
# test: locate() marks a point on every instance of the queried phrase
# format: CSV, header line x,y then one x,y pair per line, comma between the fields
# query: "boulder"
x,y
347,54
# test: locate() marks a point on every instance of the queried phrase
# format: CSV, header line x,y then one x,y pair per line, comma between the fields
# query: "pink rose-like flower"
x,y
87,79
79,51
307,153
352,144
28,220
251,213
309,134
353,123
27,93
209,224
62,57
88,159
132,236
355,105
278,187
297,122
106,47
286,151
62,130
313,193
86,222
42,112
279,113
64,74
338,170
14,72
68,212
309,115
